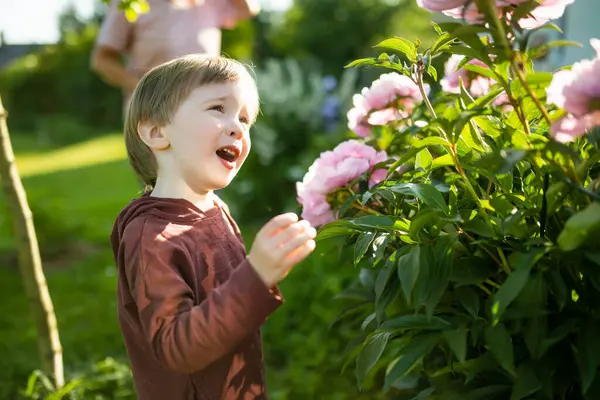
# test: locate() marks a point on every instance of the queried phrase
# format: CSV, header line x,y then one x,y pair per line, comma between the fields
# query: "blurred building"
x,y
12,52
580,24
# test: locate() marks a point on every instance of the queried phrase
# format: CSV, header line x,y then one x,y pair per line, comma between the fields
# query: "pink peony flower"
x,y
332,170
440,5
357,121
471,14
372,105
578,93
570,128
546,11
389,88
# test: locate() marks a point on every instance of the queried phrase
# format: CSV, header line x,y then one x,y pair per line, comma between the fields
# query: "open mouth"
x,y
228,153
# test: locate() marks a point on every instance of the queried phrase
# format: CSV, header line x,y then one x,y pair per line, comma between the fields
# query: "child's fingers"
x,y
300,253
278,223
293,243
293,230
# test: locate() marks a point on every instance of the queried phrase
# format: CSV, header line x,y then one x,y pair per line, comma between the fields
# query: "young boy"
x,y
190,301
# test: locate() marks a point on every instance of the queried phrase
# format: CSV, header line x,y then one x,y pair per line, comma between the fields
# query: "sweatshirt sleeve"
x,y
187,337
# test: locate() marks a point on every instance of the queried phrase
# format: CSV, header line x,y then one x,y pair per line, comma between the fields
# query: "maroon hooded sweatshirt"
x,y
190,305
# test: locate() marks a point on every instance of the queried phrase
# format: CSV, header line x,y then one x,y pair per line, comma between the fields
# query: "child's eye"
x,y
218,108
244,120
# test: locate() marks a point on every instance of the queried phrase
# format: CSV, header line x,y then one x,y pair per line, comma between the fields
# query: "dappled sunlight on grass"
x,y
75,190
94,151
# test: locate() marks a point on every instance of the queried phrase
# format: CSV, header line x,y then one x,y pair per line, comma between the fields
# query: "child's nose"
x,y
236,130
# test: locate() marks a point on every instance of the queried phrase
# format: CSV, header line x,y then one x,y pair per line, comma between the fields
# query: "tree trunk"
x,y
30,263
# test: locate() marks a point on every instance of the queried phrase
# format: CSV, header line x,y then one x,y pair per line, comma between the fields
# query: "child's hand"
x,y
281,244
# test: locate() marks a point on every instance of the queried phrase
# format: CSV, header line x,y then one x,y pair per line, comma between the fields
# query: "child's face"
x,y
209,136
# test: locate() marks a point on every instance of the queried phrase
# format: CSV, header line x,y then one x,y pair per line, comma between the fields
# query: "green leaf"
x,y
500,345
400,45
471,271
579,227
362,62
430,141
477,225
484,393
442,42
353,347
442,161
501,161
363,243
370,354
424,394
479,70
416,321
367,278
432,72
424,192
541,51
552,26
420,221
385,274
423,159
472,138
588,355
351,310
379,245
373,221
337,228
539,78
524,9
457,341
346,206
409,154
485,124
586,362
436,27
515,282
485,101
410,355
439,272
535,333
559,289
526,382
408,270
469,300
464,51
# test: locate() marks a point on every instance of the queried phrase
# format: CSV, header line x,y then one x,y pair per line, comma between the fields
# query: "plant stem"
x,y
365,209
592,195
453,153
485,249
522,78
510,54
419,74
483,288
492,283
505,265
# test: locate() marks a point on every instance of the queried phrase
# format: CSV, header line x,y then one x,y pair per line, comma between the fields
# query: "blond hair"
x,y
161,91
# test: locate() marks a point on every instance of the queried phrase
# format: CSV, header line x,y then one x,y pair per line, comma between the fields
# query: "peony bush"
x,y
470,208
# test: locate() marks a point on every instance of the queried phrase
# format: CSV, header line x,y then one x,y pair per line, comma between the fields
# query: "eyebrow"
x,y
222,98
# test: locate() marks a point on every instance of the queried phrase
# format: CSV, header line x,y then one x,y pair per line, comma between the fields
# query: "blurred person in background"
x,y
172,28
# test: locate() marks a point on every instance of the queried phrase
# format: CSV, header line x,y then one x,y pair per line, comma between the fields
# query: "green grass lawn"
x,y
75,193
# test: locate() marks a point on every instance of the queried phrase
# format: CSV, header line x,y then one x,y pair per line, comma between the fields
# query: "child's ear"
x,y
152,135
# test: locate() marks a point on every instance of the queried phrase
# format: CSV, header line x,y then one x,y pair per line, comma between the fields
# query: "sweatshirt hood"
x,y
170,209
